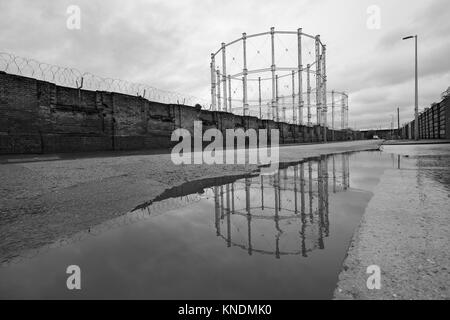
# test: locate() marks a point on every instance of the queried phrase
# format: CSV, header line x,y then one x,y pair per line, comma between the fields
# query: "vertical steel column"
x,y
228,216
302,209
320,201
247,196
277,114
294,113
416,95
245,71
295,189
347,166
308,92
229,94
346,112
342,112
310,192
302,189
259,97
213,83
249,234
244,98
219,105
274,103
276,186
325,196
222,214
334,174
232,198
262,192
318,82
217,210
332,116
300,78
324,92
344,172
249,215
224,77
275,189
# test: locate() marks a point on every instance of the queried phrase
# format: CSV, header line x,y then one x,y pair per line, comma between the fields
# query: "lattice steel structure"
x,y
339,110
276,75
272,75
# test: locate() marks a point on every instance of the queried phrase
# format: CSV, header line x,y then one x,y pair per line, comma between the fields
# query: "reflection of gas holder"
x,y
292,209
282,214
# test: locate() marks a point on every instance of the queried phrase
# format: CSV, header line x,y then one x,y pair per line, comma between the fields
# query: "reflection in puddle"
x,y
280,236
287,212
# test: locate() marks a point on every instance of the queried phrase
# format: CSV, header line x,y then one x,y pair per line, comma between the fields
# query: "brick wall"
x,y
40,117
434,122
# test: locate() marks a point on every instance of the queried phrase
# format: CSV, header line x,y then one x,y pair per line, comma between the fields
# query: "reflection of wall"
x,y
279,207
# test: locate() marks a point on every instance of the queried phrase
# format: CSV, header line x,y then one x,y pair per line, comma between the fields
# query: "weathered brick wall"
x,y
433,122
446,105
40,117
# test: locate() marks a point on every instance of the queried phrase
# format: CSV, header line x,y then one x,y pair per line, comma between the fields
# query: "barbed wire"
x,y
446,93
71,77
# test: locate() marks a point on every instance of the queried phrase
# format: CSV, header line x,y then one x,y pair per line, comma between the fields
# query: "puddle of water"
x,y
282,236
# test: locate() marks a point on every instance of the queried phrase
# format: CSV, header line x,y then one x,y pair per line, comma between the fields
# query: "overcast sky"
x,y
167,44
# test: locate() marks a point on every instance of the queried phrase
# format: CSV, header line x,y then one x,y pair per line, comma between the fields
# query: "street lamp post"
x,y
416,108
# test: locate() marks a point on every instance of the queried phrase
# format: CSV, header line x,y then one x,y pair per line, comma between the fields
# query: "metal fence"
x,y
71,77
